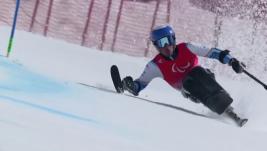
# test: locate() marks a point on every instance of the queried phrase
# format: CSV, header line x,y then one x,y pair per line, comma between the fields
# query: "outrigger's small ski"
x,y
116,79
239,121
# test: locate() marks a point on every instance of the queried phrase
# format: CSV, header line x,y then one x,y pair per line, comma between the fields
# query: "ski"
x,y
150,101
240,122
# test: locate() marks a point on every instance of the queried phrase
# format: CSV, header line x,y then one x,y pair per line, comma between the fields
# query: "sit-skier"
x,y
178,65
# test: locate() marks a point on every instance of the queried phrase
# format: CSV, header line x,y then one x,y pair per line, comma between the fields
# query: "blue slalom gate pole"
x,y
13,28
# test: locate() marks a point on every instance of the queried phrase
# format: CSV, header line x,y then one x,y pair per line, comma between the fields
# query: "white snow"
x,y
43,108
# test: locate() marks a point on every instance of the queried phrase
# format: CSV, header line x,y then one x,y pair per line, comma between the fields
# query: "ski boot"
x,y
239,121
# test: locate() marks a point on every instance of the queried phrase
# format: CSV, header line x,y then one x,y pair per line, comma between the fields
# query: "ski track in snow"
x,y
48,109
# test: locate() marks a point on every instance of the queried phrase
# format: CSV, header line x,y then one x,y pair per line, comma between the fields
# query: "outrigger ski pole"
x,y
256,79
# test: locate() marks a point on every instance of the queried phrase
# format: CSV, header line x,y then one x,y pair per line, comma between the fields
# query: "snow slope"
x,y
42,106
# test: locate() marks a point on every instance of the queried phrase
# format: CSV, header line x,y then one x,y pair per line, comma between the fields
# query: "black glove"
x,y
128,84
237,66
222,55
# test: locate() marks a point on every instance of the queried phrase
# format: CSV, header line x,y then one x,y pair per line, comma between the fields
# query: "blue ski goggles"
x,y
169,40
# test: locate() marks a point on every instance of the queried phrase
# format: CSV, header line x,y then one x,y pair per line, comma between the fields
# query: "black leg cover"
x,y
201,83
